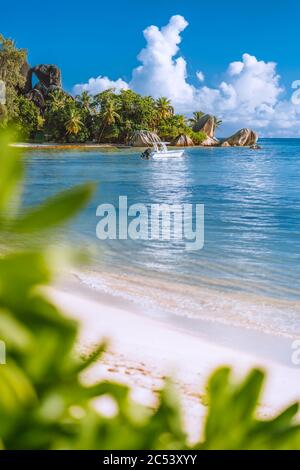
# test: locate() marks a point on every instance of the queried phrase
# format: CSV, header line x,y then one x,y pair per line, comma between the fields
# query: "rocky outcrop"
x,y
48,75
49,79
206,124
25,71
37,97
242,138
255,147
143,139
210,142
182,140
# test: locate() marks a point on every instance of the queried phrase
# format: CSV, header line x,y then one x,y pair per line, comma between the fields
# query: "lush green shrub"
x,y
171,126
197,137
43,401
12,61
3,116
29,117
65,119
232,421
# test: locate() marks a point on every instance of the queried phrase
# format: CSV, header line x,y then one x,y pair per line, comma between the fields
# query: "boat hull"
x,y
169,153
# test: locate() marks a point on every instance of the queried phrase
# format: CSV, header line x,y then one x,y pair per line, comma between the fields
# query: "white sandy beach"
x,y
143,351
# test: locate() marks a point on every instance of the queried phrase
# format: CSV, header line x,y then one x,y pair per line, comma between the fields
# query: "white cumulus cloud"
x,y
161,73
99,84
250,94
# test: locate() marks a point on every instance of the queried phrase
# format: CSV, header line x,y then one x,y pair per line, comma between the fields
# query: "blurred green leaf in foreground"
x,y
43,402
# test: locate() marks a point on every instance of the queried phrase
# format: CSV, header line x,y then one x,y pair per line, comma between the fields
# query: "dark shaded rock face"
x,y
37,97
25,70
49,77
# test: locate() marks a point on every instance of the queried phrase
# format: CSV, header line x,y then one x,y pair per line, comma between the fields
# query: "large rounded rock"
x,y
210,142
182,140
144,139
225,144
206,124
242,138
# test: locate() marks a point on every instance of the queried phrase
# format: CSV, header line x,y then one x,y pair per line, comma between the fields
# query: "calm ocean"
x,y
249,269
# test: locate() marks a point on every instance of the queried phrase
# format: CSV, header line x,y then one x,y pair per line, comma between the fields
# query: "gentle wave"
x,y
157,296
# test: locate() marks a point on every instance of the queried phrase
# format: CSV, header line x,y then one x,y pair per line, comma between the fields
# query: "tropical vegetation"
x,y
105,117
12,61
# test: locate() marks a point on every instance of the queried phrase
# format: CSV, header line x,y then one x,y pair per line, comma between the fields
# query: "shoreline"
x,y
143,351
269,345
119,146
53,146
189,305
84,146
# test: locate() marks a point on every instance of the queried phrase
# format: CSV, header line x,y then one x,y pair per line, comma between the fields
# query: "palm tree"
x,y
109,116
181,120
164,107
217,122
85,100
74,123
58,100
197,115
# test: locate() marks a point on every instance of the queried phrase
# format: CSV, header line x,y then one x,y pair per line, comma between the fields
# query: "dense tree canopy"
x,y
111,117
106,117
12,61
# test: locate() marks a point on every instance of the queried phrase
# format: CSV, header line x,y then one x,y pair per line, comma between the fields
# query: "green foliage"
x,y
28,120
171,126
66,119
117,116
44,403
3,115
217,122
10,176
54,211
232,421
106,117
197,115
197,137
74,123
112,117
164,108
12,60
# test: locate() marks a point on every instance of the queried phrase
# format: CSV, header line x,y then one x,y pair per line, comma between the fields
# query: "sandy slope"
x,y
143,351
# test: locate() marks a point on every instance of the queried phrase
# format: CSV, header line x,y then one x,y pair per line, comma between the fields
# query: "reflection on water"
x,y
252,204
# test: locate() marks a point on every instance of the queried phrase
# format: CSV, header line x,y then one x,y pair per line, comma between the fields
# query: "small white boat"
x,y
160,150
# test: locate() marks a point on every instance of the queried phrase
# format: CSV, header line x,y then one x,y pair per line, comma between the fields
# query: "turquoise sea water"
x,y
249,268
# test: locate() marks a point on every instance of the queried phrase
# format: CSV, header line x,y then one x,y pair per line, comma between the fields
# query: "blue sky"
x,y
103,38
